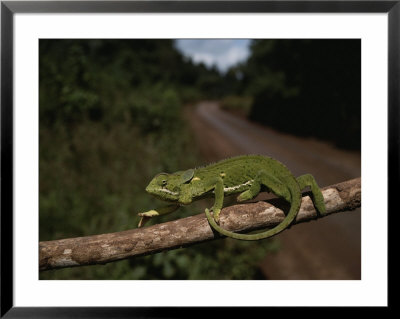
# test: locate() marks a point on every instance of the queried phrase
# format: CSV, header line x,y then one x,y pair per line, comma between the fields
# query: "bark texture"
x,y
104,248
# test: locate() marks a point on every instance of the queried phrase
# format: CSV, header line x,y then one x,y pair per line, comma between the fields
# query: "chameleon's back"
x,y
240,169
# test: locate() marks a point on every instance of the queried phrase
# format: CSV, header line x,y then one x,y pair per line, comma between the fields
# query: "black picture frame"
x,y
9,8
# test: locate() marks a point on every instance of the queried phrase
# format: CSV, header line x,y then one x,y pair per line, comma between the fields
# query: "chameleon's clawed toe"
x,y
143,220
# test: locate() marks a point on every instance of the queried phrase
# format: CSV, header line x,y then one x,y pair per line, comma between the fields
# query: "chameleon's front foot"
x,y
146,216
143,221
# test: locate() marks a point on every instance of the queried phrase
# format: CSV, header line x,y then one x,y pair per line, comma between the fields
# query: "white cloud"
x,y
222,53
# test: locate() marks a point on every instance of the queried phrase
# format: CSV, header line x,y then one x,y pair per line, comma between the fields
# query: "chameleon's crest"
x,y
160,174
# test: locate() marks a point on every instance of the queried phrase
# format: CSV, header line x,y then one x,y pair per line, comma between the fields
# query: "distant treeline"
x,y
107,80
305,87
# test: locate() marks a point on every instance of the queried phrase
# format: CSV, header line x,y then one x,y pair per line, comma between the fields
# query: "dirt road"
x,y
329,248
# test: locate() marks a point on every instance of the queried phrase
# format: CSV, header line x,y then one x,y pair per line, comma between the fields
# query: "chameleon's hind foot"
x,y
316,194
319,202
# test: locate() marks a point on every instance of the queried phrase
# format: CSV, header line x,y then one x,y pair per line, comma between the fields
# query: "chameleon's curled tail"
x,y
294,208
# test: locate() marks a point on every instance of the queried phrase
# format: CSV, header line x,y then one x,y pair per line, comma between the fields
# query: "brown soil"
x,y
329,248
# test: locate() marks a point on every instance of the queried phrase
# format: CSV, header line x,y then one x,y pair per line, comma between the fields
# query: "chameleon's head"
x,y
168,187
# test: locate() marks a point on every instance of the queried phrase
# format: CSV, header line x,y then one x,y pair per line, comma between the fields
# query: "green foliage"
x,y
110,119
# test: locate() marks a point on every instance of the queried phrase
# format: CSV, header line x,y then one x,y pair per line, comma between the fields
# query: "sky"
x,y
223,53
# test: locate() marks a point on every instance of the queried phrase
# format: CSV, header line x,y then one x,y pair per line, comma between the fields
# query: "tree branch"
x,y
104,248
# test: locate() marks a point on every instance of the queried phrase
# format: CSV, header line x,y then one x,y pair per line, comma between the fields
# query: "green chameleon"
x,y
246,174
